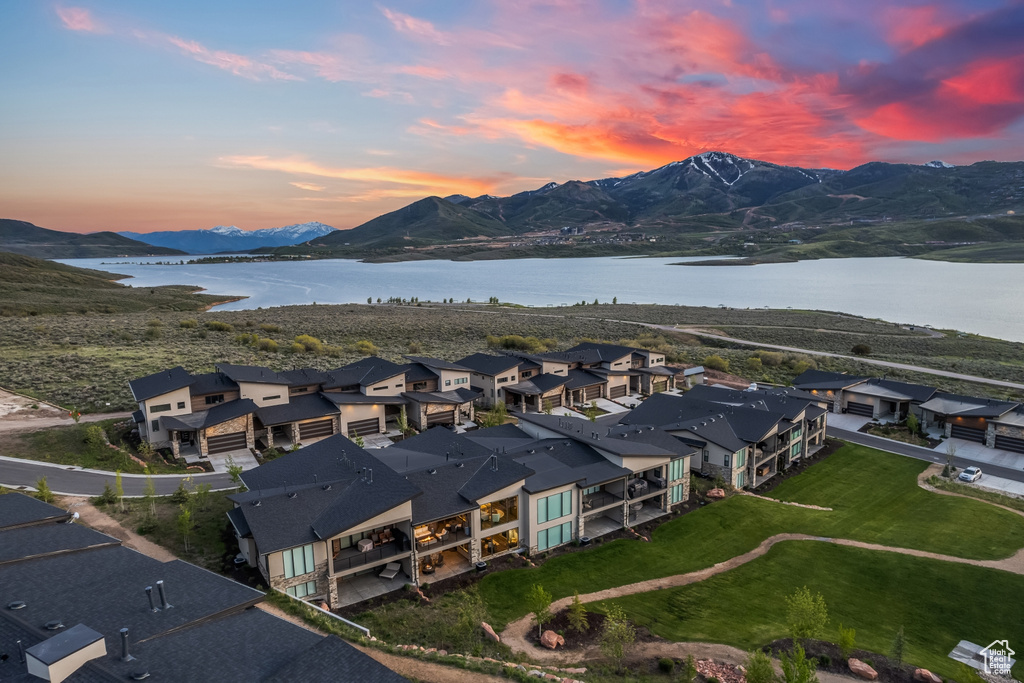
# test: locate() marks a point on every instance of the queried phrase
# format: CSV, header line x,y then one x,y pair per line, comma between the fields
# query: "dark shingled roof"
x,y
346,398
593,434
455,396
251,373
159,383
17,509
440,485
557,462
301,407
138,417
493,474
218,414
436,363
486,364
541,384
211,383
820,379
303,377
44,539
582,378
787,401
363,372
308,509
415,372
443,442
666,409
917,392
502,437
606,352
332,659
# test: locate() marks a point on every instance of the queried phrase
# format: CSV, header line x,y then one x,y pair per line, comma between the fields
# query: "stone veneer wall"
x,y
319,574
239,424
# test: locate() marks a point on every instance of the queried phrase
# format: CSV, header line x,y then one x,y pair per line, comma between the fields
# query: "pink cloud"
x,y
237,64
79,19
418,28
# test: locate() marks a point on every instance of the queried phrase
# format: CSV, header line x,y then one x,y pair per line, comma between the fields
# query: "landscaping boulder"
x,y
926,676
716,493
861,669
551,640
490,632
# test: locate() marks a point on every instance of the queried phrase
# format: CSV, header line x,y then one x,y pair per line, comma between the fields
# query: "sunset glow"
x,y
160,116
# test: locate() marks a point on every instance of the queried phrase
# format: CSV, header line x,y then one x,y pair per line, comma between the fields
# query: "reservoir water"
x,y
972,297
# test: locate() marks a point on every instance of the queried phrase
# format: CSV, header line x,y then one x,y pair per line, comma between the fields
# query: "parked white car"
x,y
971,474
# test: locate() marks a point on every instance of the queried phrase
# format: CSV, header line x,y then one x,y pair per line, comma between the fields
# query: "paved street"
x,y
75,481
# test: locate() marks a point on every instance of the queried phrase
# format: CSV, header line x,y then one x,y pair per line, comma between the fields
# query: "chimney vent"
x,y
54,625
149,594
17,604
163,595
125,655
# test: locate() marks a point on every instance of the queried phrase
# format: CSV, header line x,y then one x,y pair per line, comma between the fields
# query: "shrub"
x,y
365,348
155,322
912,424
754,364
516,342
268,327
246,339
716,362
108,497
218,326
310,344
296,347
825,661
268,345
188,323
861,350
666,665
43,491
94,438
771,359
153,333
759,668
847,638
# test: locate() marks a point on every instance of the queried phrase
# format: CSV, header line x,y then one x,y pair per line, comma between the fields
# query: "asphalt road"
x,y
75,481
921,453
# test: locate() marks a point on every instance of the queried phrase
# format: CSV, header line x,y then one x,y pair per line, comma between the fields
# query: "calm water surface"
x,y
981,298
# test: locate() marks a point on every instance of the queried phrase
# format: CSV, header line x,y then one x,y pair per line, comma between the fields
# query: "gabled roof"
x,y
21,510
363,373
301,407
333,491
666,409
583,378
486,364
218,414
437,363
443,442
159,383
500,438
820,379
440,484
453,397
557,462
916,392
253,374
493,474
605,352
417,372
541,384
967,406
211,383
593,434
332,659
303,377
654,436
786,401
347,398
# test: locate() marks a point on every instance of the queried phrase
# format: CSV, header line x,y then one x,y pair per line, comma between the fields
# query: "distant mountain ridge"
x,y
222,238
22,237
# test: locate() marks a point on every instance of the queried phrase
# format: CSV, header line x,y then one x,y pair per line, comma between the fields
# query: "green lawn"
x,y
874,496
938,603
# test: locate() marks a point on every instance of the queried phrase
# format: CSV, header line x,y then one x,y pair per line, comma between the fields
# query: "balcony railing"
x,y
433,542
352,557
642,492
599,499
761,454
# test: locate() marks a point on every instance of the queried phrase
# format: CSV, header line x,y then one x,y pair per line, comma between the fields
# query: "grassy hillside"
x,y
22,237
31,286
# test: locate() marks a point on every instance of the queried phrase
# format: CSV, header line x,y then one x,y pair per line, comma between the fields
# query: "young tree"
x,y
369,299
806,614
615,299
202,496
150,494
618,635
913,426
402,421
547,406
949,470
898,643
759,668
236,473
847,638
538,601
43,491
797,668
119,489
185,524
359,441
591,411
578,615
688,674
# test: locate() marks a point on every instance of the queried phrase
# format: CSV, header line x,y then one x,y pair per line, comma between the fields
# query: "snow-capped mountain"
x,y
938,164
225,238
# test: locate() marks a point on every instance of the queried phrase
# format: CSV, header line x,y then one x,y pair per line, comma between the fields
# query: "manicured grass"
x,y
874,496
938,603
973,492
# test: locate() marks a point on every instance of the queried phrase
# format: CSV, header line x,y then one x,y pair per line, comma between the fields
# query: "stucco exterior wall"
x,y
264,394
392,386
355,413
176,398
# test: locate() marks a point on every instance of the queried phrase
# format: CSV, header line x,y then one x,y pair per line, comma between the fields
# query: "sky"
x,y
123,115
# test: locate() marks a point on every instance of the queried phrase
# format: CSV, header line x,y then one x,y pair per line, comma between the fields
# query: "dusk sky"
x,y
121,115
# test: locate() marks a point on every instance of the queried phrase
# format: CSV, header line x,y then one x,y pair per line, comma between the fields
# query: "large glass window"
x,y
675,494
499,512
556,535
741,480
554,506
795,451
676,469
160,408
298,561
741,457
301,590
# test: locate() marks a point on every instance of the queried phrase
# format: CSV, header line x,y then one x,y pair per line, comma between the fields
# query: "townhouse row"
x,y
338,523
240,407
996,424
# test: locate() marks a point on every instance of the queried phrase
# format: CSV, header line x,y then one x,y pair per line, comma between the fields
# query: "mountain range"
x,y
223,239
22,237
713,191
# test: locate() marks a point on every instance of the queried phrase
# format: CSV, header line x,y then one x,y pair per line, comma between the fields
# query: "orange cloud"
x,y
426,181
308,186
79,19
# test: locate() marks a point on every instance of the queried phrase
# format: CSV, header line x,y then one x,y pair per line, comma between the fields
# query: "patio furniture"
x,y
441,535
428,568
391,570
365,545
495,517
376,540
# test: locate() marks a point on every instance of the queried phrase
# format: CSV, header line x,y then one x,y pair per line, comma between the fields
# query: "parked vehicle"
x,y
971,474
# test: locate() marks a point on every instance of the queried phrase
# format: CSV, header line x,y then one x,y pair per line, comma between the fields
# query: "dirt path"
x,y
515,633
18,415
91,516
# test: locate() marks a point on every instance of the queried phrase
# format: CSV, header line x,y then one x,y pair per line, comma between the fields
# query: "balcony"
x,y
499,512
642,489
762,454
350,558
432,541
600,499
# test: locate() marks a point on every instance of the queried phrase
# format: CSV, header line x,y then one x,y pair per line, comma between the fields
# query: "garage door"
x,y
225,442
554,401
590,393
617,392
313,430
363,427
862,409
445,418
968,433
1008,443
659,386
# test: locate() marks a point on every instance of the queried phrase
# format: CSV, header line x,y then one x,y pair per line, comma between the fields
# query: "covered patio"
x,y
359,587
444,564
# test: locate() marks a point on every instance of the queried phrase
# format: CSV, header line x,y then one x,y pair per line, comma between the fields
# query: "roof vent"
x,y
551,448
17,604
431,471
292,494
139,675
531,451
54,625
326,487
460,464
256,503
